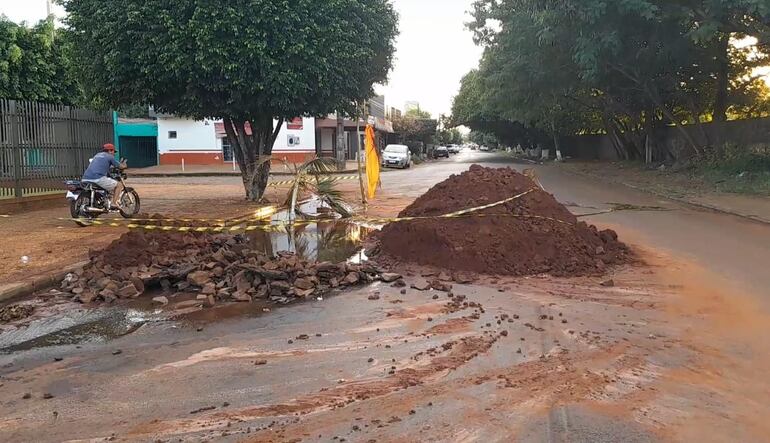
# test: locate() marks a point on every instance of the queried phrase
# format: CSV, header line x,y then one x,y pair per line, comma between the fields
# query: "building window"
x,y
172,134
227,150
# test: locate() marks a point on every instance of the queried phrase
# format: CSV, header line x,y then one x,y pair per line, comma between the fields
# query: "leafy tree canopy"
x,y
250,61
34,64
623,68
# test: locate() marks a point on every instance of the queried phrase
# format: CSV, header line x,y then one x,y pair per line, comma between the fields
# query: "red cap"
x,y
108,147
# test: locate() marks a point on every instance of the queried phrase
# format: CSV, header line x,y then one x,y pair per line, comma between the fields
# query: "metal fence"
x,y
43,144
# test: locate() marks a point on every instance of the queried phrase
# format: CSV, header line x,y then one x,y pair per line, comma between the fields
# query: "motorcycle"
x,y
88,201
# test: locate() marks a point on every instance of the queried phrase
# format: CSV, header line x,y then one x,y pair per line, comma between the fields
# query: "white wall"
x,y
306,135
192,136
197,136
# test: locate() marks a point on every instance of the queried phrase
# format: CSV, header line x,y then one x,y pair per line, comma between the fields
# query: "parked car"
x,y
397,156
440,152
484,149
453,149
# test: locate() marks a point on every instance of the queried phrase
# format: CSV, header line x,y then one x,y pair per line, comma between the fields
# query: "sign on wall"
x,y
296,124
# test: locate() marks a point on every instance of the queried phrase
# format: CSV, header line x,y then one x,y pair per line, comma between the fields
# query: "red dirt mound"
x,y
140,248
536,235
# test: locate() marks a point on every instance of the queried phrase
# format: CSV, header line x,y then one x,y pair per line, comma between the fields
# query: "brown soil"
x,y
531,235
137,248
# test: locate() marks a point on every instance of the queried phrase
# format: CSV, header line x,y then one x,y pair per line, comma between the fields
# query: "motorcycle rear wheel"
x,y
79,212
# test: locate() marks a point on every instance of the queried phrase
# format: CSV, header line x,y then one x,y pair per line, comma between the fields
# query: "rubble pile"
x,y
216,267
532,235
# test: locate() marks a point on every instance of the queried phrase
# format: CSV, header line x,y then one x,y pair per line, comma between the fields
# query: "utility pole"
x,y
50,17
342,143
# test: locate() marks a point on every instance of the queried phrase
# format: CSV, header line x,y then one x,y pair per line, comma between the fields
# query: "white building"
x,y
206,142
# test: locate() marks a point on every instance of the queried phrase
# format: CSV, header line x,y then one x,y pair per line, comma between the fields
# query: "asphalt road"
x,y
533,360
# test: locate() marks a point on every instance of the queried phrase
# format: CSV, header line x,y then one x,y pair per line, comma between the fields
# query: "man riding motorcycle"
x,y
99,170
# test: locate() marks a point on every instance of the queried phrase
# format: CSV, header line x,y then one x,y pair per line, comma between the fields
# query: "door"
x,y
140,152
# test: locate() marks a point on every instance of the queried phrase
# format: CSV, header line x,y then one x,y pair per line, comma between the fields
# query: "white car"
x,y
397,156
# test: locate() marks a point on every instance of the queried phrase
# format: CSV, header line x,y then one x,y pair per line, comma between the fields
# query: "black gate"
x,y
140,152
43,144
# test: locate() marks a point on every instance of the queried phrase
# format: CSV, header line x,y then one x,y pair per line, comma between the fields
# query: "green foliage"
x,y
413,130
451,136
621,68
255,61
418,114
734,168
34,64
238,59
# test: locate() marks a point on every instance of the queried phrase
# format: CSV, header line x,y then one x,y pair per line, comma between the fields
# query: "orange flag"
x,y
372,162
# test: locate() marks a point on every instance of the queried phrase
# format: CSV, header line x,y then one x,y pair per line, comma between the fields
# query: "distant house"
x,y
206,142
326,129
136,140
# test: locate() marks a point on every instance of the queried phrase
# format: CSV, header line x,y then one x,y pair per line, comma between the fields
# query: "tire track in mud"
x,y
456,354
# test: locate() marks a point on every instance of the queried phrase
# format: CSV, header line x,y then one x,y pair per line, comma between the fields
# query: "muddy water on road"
x,y
59,323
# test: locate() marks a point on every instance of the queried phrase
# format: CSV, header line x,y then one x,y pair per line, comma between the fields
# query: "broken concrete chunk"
x,y
352,278
390,277
304,283
199,278
421,286
128,291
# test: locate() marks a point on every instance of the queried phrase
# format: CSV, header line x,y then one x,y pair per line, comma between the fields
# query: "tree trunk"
x,y
342,144
253,151
723,79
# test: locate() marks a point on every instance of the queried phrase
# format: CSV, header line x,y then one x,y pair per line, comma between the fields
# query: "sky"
x,y
434,50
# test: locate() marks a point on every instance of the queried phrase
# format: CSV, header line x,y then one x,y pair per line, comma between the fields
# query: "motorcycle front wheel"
x,y
129,203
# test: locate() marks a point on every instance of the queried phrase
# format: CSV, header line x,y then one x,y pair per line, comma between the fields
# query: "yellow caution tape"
x,y
333,177
274,226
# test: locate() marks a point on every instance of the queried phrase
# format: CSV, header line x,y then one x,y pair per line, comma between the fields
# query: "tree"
x,y
418,114
252,63
413,130
34,66
623,68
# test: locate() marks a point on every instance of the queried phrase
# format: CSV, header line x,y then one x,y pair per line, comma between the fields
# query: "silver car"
x,y
397,156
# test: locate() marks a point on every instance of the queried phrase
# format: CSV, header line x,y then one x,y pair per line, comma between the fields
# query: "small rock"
x,y
374,297
305,283
128,291
117,352
47,396
199,278
400,283
403,291
242,297
352,278
209,289
26,396
608,283
260,362
188,304
390,277
441,286
421,286
161,300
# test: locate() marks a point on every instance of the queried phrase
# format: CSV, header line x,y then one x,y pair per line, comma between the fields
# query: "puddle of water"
x,y
333,240
74,327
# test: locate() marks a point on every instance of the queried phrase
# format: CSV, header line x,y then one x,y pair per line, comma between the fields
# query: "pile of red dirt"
x,y
532,235
141,248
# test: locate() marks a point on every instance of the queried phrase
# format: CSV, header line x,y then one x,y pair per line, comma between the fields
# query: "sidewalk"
x,y
675,186
225,169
